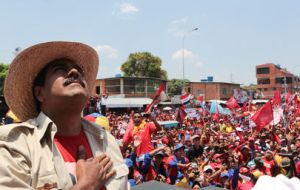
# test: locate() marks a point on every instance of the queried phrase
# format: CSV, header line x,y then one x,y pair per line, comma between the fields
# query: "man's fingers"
x,y
108,166
81,153
110,174
100,158
104,161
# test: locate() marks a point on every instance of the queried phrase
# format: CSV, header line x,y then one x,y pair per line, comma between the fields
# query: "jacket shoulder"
x,y
7,132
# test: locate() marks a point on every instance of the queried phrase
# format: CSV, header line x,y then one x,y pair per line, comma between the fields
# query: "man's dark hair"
x,y
41,77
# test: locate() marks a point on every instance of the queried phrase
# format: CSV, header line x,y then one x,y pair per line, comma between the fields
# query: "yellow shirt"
x,y
229,129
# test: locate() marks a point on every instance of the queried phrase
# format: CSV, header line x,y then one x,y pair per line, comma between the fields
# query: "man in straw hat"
x,y
47,87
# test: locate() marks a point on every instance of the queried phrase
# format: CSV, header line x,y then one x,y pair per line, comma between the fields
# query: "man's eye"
x,y
59,69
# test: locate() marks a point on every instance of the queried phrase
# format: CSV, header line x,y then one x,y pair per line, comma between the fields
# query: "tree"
x,y
3,73
143,64
175,86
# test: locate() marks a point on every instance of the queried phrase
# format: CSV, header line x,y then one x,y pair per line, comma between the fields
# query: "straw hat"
x,y
26,66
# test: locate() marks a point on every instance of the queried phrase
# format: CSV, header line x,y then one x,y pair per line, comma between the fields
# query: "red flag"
x,y
232,103
181,114
250,109
276,98
244,108
160,95
263,116
297,112
287,97
295,99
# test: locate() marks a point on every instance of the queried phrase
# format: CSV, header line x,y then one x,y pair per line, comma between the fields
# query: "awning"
x,y
127,102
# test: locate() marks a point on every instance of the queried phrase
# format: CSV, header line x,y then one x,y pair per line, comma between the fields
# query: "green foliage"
x,y
3,73
143,64
175,86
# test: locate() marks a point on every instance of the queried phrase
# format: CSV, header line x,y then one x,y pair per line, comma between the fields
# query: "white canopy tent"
x,y
116,102
167,108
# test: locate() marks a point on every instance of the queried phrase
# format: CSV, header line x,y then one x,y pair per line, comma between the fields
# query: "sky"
x,y
233,36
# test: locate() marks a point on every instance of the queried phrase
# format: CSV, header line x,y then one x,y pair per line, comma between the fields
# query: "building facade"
x,y
271,77
212,90
128,86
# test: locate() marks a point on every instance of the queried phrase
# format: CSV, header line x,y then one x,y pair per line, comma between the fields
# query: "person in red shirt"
x,y
139,131
269,162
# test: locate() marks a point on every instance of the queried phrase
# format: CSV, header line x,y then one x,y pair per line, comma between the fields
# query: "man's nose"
x,y
74,73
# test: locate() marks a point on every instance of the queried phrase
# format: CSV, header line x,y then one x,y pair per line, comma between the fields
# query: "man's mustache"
x,y
70,80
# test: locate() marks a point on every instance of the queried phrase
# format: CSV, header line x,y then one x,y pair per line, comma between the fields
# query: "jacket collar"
x,y
43,122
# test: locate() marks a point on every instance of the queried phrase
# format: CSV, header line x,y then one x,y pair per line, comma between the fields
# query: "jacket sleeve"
x,y
14,166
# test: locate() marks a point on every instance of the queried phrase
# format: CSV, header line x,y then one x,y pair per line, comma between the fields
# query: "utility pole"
x,y
284,83
183,39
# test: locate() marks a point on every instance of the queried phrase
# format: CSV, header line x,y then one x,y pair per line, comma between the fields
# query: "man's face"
x,y
158,158
219,160
269,156
179,153
64,81
137,119
196,141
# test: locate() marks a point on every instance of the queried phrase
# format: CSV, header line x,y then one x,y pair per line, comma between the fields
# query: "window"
x,y
224,91
152,85
280,80
264,70
133,86
98,90
113,86
200,92
263,81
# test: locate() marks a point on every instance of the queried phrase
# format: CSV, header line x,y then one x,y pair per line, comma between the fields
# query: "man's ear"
x,y
38,93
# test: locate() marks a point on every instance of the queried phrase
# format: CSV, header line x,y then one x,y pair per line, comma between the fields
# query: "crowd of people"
x,y
47,145
226,151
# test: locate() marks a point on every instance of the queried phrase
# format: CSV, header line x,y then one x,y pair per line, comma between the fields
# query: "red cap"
x,y
165,140
217,156
244,170
251,139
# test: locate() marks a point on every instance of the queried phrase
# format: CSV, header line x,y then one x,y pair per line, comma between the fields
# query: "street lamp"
x,y
183,39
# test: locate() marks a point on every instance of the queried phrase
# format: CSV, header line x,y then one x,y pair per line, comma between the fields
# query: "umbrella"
x,y
212,188
92,117
167,108
156,185
223,111
94,114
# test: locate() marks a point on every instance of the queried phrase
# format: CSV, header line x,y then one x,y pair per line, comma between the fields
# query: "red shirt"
x,y
143,134
269,165
68,148
246,186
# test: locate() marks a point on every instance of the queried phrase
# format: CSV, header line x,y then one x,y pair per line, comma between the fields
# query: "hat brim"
x,y
26,66
181,147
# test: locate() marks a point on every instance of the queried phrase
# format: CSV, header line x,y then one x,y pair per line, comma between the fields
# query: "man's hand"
x,y
93,173
184,166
